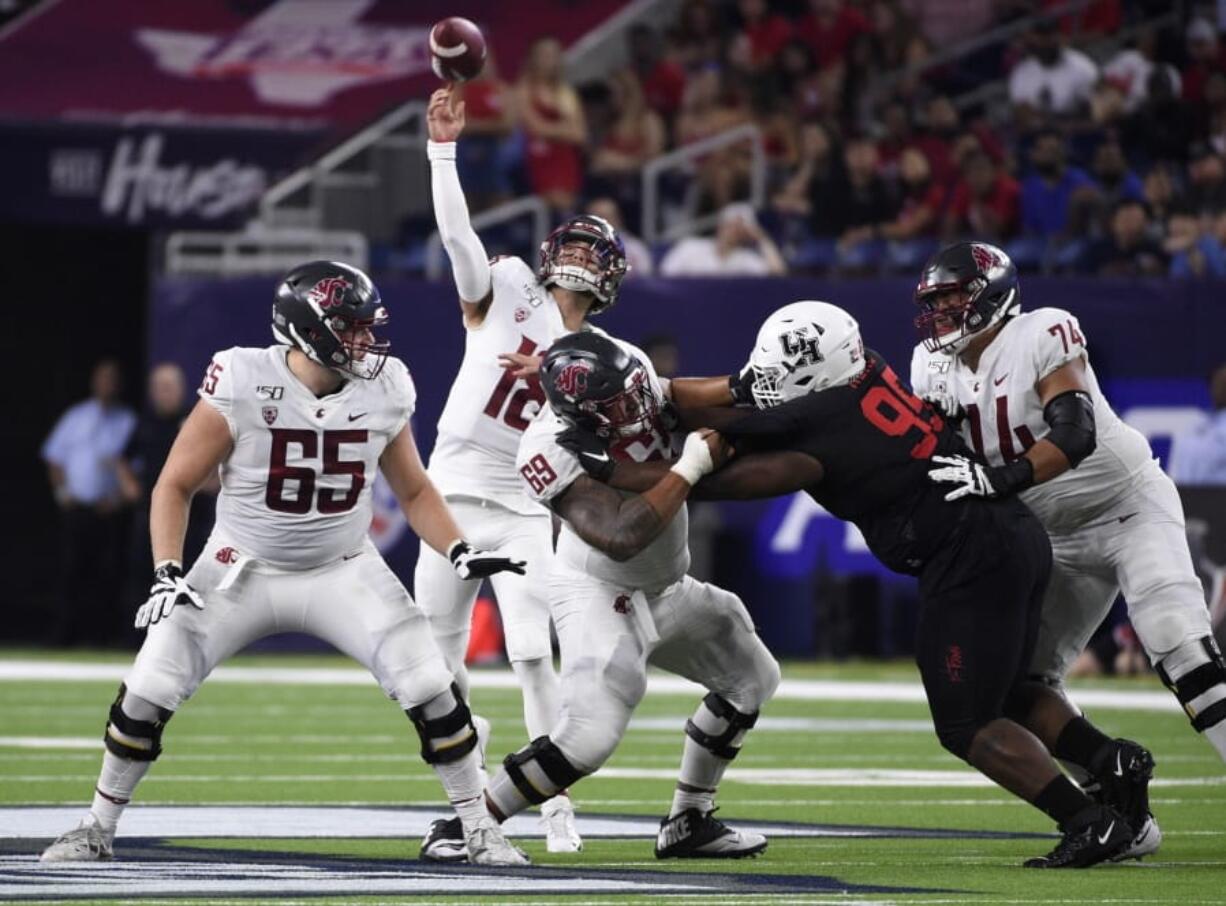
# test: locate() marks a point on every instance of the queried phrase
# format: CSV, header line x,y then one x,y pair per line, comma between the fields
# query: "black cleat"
x,y
1096,835
444,842
1124,786
695,835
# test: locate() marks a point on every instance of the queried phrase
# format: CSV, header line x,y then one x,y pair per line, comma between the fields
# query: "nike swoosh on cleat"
x,y
1102,841
1119,768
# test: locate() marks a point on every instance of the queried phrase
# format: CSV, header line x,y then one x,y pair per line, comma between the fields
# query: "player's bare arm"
x,y
203,443
469,261
751,477
420,500
623,526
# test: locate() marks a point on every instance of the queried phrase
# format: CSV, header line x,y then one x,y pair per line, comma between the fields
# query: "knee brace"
x,y
540,771
719,727
127,737
448,736
1196,673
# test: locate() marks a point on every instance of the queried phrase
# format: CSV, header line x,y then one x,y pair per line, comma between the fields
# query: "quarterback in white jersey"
x,y
297,431
1032,408
511,314
621,599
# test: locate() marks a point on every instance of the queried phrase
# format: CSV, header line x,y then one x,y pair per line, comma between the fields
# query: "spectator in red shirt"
x,y
923,200
1205,56
662,78
985,202
829,28
766,32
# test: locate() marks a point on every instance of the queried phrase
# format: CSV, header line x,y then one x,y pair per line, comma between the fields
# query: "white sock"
x,y
701,772
1217,738
465,787
540,688
116,783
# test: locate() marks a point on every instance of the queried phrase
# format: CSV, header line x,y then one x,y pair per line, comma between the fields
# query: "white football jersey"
x,y
488,410
1005,417
546,470
295,488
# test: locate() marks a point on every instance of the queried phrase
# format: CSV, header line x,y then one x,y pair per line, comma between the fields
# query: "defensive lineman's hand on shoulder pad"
x,y
471,563
590,450
169,589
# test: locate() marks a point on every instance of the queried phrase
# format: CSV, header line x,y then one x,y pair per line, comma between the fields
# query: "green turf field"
x,y
870,773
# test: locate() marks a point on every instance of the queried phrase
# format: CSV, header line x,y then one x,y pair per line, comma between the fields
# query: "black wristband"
x,y
1012,478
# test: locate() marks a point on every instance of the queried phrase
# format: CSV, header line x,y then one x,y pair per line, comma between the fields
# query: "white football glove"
x,y
695,460
470,563
169,589
945,403
972,478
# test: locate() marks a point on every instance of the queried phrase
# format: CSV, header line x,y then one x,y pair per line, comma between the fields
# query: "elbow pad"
x,y
1071,416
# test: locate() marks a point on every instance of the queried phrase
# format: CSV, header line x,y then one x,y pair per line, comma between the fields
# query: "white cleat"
x,y
87,842
558,817
488,846
1145,843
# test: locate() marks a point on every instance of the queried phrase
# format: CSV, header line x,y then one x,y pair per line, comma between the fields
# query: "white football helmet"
x,y
803,348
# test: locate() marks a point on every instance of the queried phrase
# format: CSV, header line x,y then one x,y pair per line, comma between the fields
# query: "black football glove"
x,y
740,385
169,589
590,450
470,563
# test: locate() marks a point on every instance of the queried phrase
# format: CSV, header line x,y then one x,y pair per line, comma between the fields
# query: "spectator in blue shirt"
x,y
81,455
1056,198
1198,456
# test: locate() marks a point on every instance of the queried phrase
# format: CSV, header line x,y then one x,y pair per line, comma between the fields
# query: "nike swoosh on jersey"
x,y
1124,519
603,457
1000,380
354,418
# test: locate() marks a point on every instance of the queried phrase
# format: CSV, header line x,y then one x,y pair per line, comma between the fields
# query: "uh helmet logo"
x,y
572,380
328,292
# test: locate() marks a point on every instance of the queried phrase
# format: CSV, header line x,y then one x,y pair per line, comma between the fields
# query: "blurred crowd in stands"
x,y
1085,136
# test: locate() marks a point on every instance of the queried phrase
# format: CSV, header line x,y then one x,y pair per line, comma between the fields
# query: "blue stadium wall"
x,y
1152,344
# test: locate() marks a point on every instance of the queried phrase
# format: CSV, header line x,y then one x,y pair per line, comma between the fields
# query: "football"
x,y
457,49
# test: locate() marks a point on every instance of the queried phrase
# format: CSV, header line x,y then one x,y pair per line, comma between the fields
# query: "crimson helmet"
x,y
318,307
986,276
585,254
593,383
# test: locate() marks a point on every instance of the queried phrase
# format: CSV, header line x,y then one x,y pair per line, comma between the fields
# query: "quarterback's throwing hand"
x,y
169,589
444,116
971,478
470,563
590,450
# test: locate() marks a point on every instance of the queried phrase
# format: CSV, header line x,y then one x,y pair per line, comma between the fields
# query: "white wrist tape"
x,y
436,151
695,460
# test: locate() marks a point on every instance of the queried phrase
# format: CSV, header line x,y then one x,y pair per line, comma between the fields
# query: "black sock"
x,y
1061,799
1082,743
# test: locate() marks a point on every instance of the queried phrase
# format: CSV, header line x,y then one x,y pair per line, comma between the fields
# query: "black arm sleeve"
x,y
1071,416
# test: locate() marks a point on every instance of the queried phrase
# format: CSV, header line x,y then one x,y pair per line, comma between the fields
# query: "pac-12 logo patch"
x,y
328,292
270,414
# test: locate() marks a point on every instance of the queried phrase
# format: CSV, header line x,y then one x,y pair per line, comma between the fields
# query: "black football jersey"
x,y
874,439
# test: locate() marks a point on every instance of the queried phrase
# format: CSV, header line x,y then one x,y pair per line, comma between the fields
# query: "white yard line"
x,y
789,689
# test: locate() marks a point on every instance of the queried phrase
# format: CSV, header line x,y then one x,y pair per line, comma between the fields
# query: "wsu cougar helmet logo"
x,y
984,257
328,292
572,380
